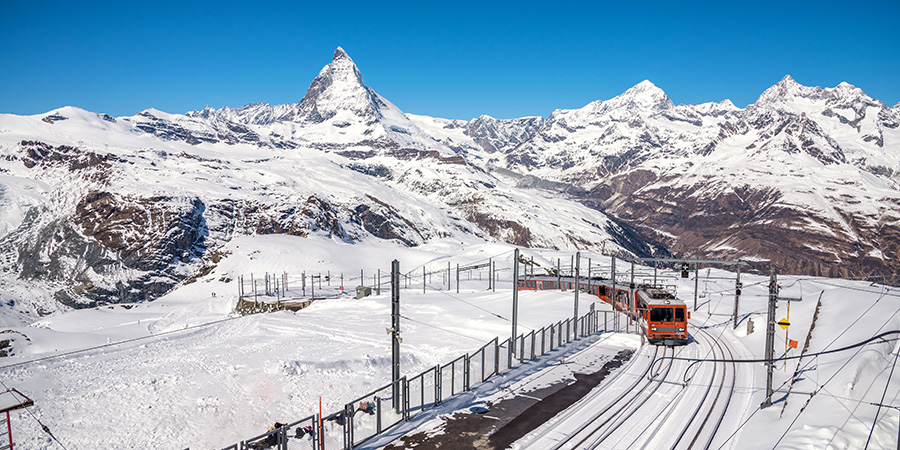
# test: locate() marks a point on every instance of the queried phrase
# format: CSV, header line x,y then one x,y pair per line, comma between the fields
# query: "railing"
x,y
379,410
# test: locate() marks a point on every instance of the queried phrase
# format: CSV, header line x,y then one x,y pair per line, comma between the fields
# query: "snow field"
x,y
211,386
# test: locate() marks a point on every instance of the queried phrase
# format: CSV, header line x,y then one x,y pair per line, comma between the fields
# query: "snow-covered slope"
x,y
109,209
187,384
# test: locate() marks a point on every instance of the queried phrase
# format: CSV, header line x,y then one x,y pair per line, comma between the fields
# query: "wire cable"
x,y
785,358
883,395
439,328
759,408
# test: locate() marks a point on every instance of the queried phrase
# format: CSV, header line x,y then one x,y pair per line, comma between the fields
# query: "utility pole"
x,y
631,298
515,306
589,276
615,294
696,283
558,274
770,336
448,276
737,295
494,276
577,285
457,278
395,333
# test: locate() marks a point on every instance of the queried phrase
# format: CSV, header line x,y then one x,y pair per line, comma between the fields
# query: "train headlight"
x,y
652,328
680,329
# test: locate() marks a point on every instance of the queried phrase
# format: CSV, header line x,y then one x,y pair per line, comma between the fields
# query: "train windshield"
x,y
661,314
679,315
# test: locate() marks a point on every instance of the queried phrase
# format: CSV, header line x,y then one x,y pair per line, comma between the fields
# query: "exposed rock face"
x,y
495,135
148,233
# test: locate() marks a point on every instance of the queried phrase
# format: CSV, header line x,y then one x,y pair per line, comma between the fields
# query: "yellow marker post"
x,y
784,324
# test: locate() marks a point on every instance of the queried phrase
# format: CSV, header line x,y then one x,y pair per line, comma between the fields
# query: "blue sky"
x,y
446,59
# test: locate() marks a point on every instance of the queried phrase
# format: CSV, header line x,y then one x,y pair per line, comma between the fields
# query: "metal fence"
x,y
379,410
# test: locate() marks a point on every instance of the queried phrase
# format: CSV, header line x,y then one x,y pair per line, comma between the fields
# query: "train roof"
x,y
657,297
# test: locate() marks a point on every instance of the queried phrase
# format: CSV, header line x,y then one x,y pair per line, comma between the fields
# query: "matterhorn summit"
x,y
338,111
337,89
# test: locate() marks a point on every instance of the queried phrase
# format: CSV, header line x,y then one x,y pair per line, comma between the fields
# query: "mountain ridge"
x,y
805,178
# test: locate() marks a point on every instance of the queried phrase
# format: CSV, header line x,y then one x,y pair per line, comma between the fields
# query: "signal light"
x,y
685,267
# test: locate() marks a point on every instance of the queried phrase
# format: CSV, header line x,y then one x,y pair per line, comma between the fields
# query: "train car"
x,y
663,317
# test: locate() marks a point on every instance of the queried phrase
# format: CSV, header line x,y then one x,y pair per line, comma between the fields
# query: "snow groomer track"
x,y
656,402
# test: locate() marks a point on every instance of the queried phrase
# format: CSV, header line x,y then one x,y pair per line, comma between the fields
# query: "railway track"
x,y
679,405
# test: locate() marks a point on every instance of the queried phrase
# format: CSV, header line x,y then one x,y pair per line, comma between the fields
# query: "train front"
x,y
665,317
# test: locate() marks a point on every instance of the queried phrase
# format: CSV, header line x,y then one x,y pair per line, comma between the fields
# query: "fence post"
x,y
466,372
437,385
377,416
497,354
515,306
347,428
405,391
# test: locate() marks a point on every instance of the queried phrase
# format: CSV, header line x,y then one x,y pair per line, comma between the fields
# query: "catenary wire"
x,y
883,395
440,328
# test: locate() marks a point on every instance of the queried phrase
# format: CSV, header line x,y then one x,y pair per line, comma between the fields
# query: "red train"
x,y
663,317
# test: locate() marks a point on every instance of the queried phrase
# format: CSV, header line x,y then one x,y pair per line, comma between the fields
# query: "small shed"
x,y
363,291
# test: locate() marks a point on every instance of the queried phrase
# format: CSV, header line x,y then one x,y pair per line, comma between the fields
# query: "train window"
x,y
679,315
661,315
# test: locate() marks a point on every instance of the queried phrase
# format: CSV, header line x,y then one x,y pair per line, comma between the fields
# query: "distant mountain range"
x,y
100,209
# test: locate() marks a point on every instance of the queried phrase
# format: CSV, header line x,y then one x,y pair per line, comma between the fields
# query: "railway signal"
x,y
685,268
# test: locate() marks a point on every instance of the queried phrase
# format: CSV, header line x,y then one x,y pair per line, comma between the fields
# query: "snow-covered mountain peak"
x,y
337,88
716,108
787,90
339,53
343,69
644,96
846,91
